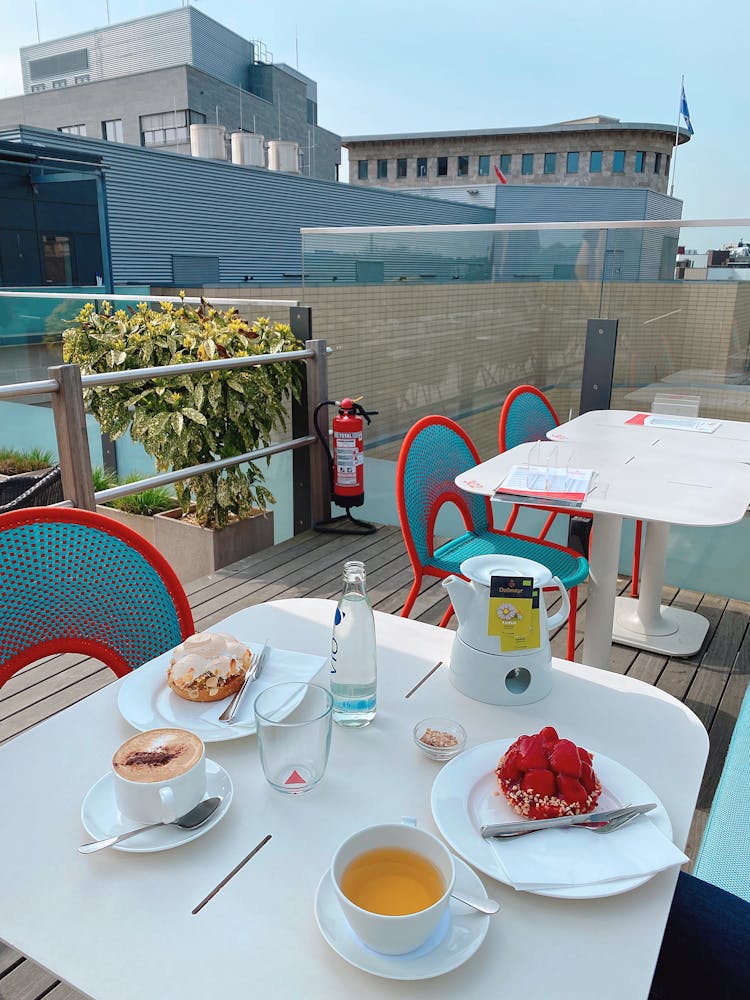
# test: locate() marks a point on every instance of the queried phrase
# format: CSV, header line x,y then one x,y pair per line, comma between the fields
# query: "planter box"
x,y
193,551
142,525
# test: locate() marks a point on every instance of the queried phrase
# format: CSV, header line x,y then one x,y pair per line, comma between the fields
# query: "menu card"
x,y
668,422
564,486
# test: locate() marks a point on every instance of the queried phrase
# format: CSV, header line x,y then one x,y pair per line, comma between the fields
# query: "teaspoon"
x,y
478,903
197,816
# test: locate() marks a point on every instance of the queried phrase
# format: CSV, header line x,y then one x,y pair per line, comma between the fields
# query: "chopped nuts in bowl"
x,y
440,739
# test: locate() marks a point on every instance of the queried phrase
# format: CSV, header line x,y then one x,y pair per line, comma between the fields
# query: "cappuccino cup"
x,y
159,775
393,883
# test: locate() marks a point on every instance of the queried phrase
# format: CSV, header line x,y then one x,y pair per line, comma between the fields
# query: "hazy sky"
x,y
409,65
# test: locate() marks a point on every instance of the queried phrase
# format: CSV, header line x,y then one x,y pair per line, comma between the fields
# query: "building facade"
x,y
588,152
145,82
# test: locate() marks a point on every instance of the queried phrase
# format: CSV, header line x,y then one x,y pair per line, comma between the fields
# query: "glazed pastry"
x,y
208,666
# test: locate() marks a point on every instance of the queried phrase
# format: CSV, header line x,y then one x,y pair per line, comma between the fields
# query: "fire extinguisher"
x,y
346,464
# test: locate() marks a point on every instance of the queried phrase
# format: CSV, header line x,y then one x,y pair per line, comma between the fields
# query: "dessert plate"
x,y
455,940
146,701
101,818
465,796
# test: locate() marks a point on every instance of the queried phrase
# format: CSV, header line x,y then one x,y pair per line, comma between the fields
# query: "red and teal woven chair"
x,y
434,452
72,581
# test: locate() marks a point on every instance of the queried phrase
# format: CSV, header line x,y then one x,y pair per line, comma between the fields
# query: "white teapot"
x,y
480,668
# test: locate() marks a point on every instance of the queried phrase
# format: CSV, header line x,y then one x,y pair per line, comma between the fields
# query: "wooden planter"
x,y
193,551
140,523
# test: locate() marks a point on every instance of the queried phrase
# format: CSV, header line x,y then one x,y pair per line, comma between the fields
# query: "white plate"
x,y
101,818
463,799
455,940
146,701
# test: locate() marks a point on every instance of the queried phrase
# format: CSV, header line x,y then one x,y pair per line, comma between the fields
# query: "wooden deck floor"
x,y
712,683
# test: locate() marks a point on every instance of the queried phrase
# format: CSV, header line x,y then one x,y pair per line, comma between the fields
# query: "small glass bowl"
x,y
440,727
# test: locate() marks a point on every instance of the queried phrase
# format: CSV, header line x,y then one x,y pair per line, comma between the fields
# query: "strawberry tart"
x,y
543,776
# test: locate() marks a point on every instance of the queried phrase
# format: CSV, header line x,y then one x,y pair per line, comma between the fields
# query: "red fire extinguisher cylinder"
x,y
348,457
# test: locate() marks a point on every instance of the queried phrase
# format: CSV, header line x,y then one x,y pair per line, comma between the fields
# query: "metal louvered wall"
x,y
161,205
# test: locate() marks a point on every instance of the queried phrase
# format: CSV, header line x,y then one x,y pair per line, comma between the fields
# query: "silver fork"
x,y
615,820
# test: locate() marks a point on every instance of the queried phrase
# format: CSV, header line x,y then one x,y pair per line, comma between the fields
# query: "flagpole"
x,y
677,136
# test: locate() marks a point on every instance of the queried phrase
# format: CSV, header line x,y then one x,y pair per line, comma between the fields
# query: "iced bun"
x,y
208,666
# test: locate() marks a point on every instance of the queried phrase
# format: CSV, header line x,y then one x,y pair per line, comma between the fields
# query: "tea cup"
x,y
399,933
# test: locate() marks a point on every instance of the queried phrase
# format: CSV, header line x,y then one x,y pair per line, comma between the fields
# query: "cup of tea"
x,y
159,775
393,883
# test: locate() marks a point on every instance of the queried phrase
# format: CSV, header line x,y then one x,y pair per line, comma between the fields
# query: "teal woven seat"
x,y
725,847
72,581
434,452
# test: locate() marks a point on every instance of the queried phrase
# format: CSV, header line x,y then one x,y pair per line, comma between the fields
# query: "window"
x,y
463,166
657,162
382,169
571,163
37,87
527,163
73,129
362,170
168,127
618,161
595,161
484,166
640,162
442,166
59,84
550,162
83,79
401,168
421,166
666,164
112,130
57,264
505,161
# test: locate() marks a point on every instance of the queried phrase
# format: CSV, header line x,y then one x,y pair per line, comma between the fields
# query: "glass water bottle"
x,y
353,652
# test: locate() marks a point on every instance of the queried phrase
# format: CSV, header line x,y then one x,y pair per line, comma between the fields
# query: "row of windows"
x,y
644,162
111,130
168,127
36,88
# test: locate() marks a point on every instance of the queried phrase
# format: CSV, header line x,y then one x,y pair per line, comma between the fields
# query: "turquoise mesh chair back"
x,y
526,415
434,452
75,581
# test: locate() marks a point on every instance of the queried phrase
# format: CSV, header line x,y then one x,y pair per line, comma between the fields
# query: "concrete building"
x,y
148,81
588,152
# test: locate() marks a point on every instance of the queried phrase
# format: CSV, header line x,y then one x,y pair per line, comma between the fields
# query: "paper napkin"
x,y
576,857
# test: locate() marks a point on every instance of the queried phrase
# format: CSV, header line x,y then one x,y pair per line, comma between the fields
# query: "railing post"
x,y
317,392
72,437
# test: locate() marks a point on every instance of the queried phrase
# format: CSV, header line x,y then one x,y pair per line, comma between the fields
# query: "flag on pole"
x,y
501,176
684,112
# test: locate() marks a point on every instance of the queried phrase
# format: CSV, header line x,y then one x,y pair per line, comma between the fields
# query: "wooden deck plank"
x,y
27,981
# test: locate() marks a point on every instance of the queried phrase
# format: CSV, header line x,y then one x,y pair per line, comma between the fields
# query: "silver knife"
x,y
526,826
251,674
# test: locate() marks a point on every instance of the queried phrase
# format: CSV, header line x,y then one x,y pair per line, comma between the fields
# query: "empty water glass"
x,y
294,734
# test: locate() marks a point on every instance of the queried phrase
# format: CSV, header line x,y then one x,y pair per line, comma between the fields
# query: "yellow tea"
x,y
392,881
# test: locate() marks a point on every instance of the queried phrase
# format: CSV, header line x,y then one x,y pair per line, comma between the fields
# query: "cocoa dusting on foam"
x,y
154,758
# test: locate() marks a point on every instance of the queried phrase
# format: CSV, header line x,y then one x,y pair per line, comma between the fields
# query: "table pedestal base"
x,y
676,633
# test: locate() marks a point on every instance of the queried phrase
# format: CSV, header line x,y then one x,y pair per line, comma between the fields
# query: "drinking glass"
x,y
294,734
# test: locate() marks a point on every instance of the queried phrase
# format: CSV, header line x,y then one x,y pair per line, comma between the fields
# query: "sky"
x,y
418,66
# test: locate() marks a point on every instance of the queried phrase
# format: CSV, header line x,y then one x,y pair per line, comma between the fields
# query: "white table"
x,y
119,926
660,485
643,622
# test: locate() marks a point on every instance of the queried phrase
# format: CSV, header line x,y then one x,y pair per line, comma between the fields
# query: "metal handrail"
x,y
192,367
102,295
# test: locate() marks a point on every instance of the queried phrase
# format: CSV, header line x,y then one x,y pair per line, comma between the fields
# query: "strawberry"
x,y
586,757
535,755
564,759
510,769
571,790
588,778
549,735
540,781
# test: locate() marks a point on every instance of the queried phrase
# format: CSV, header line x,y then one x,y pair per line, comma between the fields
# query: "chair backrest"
x,y
433,453
526,415
31,491
76,581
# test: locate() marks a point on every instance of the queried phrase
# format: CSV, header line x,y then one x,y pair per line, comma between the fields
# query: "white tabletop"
x,y
729,442
119,926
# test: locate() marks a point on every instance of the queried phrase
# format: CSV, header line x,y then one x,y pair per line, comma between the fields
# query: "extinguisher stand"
x,y
345,465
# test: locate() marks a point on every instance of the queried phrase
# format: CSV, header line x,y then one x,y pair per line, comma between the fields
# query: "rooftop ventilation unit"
x,y
208,142
283,156
248,149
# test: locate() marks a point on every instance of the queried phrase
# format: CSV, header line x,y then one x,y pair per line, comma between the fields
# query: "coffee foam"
x,y
157,755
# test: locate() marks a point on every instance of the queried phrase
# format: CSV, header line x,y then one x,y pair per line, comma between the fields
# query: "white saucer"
x,y
101,818
456,939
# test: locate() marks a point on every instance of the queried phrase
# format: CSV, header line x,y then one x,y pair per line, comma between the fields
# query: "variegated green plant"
x,y
190,419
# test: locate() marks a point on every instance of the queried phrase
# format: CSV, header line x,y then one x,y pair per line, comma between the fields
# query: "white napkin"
x,y
281,665
562,858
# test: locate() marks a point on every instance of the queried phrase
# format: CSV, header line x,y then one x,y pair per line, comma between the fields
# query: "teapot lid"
x,y
481,568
